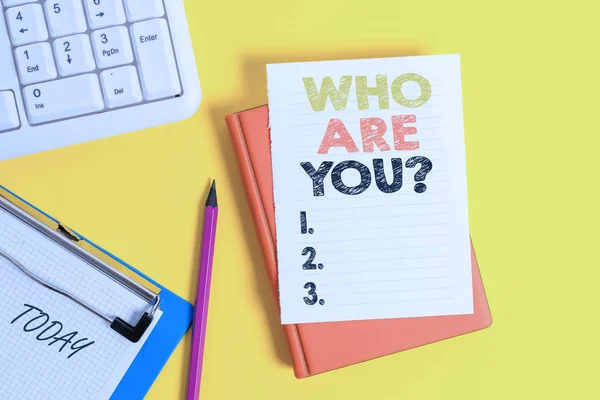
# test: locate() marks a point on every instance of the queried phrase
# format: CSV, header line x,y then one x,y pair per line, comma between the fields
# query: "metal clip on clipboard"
x,y
69,240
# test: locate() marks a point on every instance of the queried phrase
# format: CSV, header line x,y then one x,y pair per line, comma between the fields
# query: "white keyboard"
x,y
79,70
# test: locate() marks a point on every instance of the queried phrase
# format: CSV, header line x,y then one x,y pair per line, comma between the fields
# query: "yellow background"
x,y
531,83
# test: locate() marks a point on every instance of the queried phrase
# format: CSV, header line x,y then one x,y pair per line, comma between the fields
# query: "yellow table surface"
x,y
531,82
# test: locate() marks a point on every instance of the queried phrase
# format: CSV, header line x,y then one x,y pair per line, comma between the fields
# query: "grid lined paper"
x,y
36,369
376,255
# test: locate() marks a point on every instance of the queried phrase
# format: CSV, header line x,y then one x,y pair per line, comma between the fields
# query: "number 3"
x,y
104,38
312,292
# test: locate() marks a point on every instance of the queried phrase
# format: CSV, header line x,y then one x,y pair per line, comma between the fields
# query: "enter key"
x,y
156,61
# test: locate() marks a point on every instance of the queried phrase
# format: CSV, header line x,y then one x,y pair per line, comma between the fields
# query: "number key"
x,y
138,10
112,47
74,55
35,63
11,3
26,24
103,13
63,98
65,17
121,86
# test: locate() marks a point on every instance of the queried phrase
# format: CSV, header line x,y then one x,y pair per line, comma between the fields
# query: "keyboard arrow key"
x,y
26,24
101,14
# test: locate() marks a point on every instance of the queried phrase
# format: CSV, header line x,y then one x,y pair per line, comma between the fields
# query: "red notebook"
x,y
321,347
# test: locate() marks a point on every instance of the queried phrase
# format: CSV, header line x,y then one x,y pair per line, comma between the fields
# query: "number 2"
x,y
312,292
313,253
67,46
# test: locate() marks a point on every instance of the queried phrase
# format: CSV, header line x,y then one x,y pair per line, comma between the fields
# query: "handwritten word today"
x,y
39,319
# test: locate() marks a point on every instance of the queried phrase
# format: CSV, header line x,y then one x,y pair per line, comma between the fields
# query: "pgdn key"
x,y
65,98
112,47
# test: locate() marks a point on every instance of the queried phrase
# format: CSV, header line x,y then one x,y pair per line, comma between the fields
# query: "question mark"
x,y
426,166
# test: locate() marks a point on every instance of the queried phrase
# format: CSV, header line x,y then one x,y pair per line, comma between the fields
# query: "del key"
x,y
156,61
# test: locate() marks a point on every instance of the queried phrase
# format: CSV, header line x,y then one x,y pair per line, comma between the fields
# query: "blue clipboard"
x,y
164,338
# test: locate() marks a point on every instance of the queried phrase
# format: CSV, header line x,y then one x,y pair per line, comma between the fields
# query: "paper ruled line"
x,y
384,226
371,206
389,280
420,135
347,121
375,270
383,302
389,259
333,157
388,248
333,113
370,217
376,238
387,291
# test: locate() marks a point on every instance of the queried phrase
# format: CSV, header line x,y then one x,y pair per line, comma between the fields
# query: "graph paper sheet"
x,y
50,347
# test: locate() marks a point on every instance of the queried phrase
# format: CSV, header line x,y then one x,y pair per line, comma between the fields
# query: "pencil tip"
x,y
212,195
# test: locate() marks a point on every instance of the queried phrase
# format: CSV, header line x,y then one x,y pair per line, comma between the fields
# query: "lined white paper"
x,y
34,367
349,249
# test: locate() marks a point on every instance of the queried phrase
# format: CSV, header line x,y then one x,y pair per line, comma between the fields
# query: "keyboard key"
x,y
9,117
138,10
35,63
104,13
26,24
12,3
74,55
64,98
112,47
156,61
65,17
121,86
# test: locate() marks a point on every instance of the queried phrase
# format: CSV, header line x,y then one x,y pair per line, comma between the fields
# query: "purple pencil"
x,y
201,307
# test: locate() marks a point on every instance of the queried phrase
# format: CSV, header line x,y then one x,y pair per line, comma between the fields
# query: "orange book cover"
x,y
321,347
